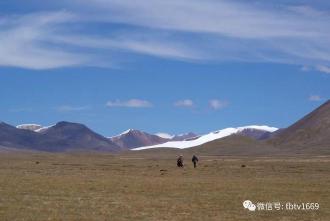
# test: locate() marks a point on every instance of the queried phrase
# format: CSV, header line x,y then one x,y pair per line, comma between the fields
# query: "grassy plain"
x,y
87,187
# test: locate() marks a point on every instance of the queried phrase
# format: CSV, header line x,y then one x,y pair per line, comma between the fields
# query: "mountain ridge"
x,y
63,136
210,137
310,134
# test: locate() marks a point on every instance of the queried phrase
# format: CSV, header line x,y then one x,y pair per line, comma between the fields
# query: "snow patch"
x,y
27,125
31,127
40,130
126,132
256,127
123,133
164,135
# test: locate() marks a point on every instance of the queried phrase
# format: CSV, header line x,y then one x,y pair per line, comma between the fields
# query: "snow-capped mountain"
x,y
134,138
210,137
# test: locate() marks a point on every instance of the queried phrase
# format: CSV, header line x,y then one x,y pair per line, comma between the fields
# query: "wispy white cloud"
x,y
231,30
319,68
24,42
184,103
69,108
44,41
152,44
216,104
229,18
132,103
209,30
314,98
323,68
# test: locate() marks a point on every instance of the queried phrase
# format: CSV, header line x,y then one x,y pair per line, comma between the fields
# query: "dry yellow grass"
x,y
136,187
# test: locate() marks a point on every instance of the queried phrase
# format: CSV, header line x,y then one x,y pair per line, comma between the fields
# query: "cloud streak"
x,y
187,103
69,108
314,98
23,42
216,104
132,103
323,68
153,44
228,18
230,30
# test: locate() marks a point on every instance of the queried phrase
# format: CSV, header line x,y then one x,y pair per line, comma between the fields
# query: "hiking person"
x,y
179,161
194,160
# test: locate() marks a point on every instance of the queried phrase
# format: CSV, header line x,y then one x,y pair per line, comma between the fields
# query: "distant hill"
x,y
135,138
236,144
78,136
19,138
309,134
248,131
254,133
63,136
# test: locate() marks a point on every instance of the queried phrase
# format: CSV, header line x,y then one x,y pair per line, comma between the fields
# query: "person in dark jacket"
x,y
179,161
194,160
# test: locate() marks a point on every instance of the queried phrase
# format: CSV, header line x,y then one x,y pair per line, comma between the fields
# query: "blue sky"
x,y
163,66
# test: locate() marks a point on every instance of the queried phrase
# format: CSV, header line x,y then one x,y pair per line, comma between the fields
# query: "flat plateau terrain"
x,y
39,187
